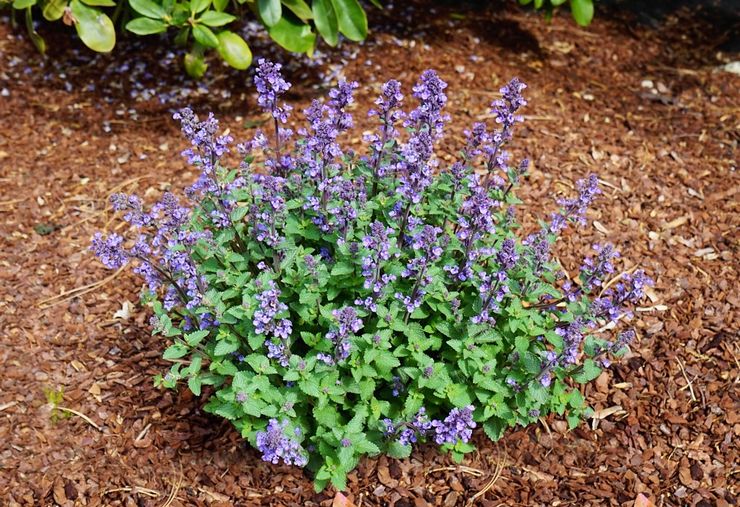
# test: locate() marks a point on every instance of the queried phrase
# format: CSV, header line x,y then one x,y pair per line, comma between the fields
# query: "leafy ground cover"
x,y
644,106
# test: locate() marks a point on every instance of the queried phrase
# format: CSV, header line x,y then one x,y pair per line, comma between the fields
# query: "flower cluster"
x,y
344,304
275,445
266,322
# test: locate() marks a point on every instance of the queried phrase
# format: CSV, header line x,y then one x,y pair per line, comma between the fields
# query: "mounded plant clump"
x,y
342,304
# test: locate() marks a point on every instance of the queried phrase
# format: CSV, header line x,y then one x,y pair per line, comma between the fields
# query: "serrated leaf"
x,y
587,372
342,268
225,347
194,384
175,351
396,450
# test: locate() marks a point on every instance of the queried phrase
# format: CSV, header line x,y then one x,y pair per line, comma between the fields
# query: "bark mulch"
x,y
640,100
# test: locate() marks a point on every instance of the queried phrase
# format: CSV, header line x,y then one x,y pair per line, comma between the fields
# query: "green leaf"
x,y
225,347
53,9
588,371
94,28
99,3
175,351
220,5
37,40
148,8
521,344
494,428
339,479
342,268
146,26
351,18
539,393
194,384
293,36
197,6
195,65
325,20
583,11
205,36
396,450
215,18
234,50
299,8
196,337
386,361
23,4
270,11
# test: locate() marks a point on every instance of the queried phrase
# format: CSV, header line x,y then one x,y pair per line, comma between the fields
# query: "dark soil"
x,y
642,103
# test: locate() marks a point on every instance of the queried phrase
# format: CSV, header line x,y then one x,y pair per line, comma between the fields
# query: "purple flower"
x,y
110,250
429,90
206,149
575,209
267,322
389,113
276,445
457,426
348,323
629,290
415,429
492,290
398,386
271,86
572,336
507,256
595,270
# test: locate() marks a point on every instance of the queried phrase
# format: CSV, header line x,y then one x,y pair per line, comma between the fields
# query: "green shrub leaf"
x,y
234,50
146,26
148,8
270,11
351,18
583,11
293,36
94,28
205,36
215,18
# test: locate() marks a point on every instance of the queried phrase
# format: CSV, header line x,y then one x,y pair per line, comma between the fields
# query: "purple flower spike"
x,y
271,86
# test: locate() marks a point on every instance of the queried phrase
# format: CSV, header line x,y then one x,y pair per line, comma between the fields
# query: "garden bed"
x,y
642,105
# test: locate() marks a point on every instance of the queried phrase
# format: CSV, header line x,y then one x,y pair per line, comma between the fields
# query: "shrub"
x,y
581,10
201,24
342,305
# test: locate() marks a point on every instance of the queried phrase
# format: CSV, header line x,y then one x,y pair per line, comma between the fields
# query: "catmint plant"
x,y
334,305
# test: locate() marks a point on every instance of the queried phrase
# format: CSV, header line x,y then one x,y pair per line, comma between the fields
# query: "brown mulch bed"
x,y
641,104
